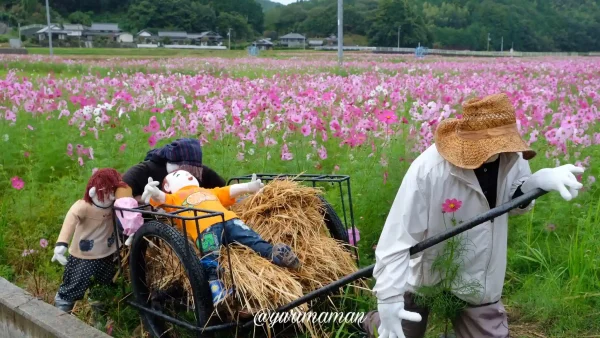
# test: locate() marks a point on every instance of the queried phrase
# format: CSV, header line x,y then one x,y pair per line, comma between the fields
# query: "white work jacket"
x,y
416,215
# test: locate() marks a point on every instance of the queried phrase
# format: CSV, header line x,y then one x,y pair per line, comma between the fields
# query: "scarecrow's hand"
x,y
561,179
59,255
244,188
151,191
255,185
391,316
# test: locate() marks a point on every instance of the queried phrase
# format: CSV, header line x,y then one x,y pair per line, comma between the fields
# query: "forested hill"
x,y
528,25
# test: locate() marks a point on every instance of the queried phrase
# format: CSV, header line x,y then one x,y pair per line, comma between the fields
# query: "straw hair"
x,y
488,127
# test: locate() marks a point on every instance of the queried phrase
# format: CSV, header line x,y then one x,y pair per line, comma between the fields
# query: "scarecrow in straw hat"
x,y
477,163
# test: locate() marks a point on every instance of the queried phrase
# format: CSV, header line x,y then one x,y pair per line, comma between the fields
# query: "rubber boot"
x,y
285,257
217,288
64,305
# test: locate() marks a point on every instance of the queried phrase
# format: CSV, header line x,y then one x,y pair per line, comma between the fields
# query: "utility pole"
x,y
340,31
229,35
488,47
502,45
399,29
49,29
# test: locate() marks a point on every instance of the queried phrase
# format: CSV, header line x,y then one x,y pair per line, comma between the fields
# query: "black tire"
x,y
188,258
334,224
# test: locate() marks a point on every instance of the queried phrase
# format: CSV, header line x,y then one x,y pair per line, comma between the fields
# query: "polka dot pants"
x,y
78,274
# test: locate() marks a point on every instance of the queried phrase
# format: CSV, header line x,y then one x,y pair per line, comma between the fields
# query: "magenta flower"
x,y
152,141
388,117
43,242
17,183
122,147
26,154
322,153
80,161
353,232
451,205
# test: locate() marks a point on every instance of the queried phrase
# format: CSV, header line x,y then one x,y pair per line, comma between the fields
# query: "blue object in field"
x,y
253,50
420,52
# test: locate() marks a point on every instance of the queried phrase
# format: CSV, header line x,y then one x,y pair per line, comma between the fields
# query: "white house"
x,y
292,40
125,38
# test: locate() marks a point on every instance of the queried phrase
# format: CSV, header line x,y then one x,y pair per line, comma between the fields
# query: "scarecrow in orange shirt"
x,y
183,189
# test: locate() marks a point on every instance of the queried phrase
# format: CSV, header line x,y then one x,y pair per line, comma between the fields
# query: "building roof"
x,y
263,42
73,27
144,31
293,36
105,27
173,34
203,34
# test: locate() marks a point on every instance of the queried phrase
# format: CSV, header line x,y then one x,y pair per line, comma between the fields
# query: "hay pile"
x,y
291,213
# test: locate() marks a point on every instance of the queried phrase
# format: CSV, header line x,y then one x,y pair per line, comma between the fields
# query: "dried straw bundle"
x,y
259,283
289,212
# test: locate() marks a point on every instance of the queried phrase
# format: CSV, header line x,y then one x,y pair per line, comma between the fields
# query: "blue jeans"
x,y
234,230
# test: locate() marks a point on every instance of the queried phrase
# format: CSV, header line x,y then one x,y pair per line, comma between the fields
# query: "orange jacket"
x,y
217,199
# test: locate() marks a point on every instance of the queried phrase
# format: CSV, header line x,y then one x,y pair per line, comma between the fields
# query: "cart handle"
x,y
421,246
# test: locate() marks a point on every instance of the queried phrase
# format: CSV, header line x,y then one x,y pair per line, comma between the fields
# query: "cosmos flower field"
x,y
62,118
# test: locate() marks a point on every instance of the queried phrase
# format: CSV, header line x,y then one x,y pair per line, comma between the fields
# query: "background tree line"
x,y
531,25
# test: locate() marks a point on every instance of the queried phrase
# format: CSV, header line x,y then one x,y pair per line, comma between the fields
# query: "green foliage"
x,y
440,298
81,18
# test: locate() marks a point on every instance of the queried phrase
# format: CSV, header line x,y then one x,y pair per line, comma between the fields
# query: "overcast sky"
x,y
285,2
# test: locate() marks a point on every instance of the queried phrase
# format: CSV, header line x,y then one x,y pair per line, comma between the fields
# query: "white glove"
x,y
242,188
556,179
129,240
391,315
59,255
151,191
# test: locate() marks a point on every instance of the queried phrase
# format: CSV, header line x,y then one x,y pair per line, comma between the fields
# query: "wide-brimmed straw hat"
x,y
488,127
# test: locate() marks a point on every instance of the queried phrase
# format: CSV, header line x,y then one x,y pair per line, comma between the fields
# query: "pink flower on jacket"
x,y
451,205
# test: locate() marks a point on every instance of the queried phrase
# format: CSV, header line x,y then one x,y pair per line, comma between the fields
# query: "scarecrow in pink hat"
x,y
477,163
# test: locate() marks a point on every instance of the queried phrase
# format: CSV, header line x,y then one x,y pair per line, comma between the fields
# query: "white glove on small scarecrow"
x,y
151,191
561,179
254,186
59,255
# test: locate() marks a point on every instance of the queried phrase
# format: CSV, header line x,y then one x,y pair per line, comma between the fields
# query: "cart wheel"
x,y
334,224
166,276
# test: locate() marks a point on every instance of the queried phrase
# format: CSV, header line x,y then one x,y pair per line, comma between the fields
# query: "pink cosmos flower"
x,y
322,153
152,140
80,161
451,205
388,117
122,147
305,130
26,154
352,233
43,242
17,183
30,127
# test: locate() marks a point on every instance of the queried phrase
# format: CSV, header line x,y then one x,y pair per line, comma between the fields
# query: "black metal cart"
x,y
174,312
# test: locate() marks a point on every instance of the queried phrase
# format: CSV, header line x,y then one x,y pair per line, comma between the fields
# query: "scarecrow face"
x,y
492,159
171,167
107,202
179,179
